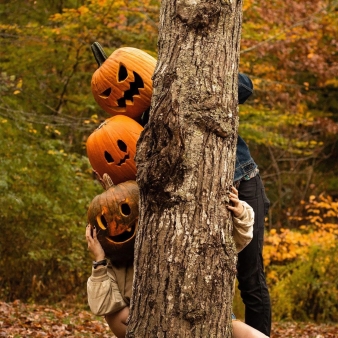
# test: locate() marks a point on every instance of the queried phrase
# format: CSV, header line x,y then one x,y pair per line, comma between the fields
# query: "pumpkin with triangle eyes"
x,y
115,213
111,148
123,82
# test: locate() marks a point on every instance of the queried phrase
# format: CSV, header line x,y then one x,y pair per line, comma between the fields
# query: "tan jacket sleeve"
x,y
104,296
243,227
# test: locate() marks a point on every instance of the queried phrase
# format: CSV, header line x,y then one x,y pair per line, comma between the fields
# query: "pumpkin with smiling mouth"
x,y
114,213
111,148
123,82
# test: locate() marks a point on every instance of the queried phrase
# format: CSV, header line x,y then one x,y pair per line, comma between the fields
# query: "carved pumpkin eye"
x,y
123,73
106,93
101,221
122,146
125,209
108,157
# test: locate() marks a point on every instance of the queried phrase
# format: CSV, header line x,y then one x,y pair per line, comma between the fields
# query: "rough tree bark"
x,y
185,261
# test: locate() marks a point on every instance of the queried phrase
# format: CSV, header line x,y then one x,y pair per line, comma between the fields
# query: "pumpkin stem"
x,y
99,178
107,181
99,54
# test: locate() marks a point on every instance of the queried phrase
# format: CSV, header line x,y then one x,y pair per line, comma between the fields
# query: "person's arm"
x,y
118,322
104,296
241,330
243,220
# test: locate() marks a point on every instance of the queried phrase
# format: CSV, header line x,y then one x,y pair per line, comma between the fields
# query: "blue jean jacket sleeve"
x,y
244,162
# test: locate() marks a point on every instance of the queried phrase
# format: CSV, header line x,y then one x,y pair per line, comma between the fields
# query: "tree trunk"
x,y
185,261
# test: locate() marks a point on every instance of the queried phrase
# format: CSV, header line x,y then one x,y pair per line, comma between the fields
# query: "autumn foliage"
x,y
47,112
318,228
301,265
32,320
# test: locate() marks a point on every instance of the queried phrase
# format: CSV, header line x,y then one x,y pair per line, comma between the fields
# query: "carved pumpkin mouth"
x,y
125,236
110,159
123,160
128,96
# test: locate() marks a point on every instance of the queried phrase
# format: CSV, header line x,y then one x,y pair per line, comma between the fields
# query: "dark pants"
x,y
250,269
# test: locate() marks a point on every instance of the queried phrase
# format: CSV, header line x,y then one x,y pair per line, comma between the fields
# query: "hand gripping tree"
x,y
185,261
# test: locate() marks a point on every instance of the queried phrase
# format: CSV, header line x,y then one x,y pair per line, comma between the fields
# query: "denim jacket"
x,y
245,164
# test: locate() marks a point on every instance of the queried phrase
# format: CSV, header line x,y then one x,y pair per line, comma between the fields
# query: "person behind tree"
x,y
109,286
250,268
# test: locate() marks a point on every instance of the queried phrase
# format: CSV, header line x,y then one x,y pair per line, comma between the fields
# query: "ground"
x,y
22,320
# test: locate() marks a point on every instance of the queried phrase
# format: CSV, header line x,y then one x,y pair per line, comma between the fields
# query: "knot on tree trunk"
x,y
198,14
218,127
209,114
160,148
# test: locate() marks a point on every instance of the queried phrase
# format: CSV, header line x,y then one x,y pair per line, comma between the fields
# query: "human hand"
x,y
237,206
93,244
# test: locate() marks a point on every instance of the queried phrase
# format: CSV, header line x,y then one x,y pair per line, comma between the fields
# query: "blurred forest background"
x,y
47,111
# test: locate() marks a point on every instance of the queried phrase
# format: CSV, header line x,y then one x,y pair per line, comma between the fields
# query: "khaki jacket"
x,y
109,287
243,227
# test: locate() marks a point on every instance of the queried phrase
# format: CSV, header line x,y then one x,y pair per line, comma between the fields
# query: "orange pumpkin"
x,y
114,213
111,148
122,84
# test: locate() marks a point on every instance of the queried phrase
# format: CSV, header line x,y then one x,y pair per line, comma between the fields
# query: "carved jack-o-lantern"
x,y
122,84
111,148
114,213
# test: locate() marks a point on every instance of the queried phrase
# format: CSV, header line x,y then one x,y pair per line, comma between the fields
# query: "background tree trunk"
x,y
185,261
